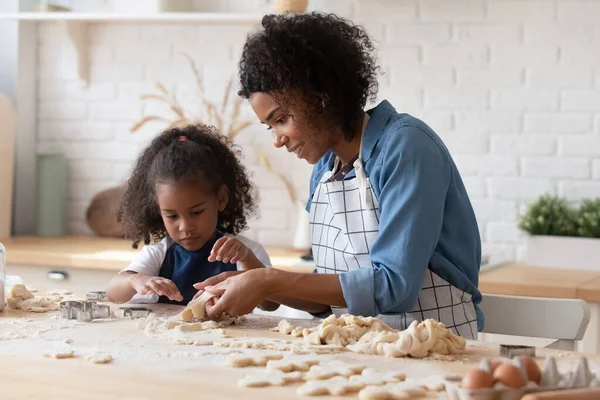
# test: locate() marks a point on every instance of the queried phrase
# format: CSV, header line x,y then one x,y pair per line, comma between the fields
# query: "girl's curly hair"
x,y
180,154
325,58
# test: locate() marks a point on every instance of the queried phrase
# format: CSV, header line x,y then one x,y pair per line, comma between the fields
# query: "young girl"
x,y
186,192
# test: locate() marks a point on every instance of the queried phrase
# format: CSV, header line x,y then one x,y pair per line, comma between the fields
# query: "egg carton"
x,y
551,379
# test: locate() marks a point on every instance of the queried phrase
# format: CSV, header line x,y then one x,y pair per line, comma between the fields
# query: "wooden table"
x,y
154,368
519,279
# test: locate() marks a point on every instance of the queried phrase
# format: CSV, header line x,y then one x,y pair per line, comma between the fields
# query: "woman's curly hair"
x,y
323,57
185,154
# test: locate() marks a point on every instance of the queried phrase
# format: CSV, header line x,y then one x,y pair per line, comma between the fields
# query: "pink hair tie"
x,y
183,138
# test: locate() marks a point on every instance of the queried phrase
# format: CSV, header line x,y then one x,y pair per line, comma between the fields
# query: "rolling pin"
x,y
572,394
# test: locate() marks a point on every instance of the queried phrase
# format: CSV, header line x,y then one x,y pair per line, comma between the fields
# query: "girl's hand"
x,y
144,284
229,250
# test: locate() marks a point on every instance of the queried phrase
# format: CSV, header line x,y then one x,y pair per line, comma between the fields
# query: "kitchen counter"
x,y
519,279
92,252
151,368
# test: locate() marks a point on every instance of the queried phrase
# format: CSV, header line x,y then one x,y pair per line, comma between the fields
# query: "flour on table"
x,y
99,358
273,344
58,292
22,299
242,360
270,378
336,386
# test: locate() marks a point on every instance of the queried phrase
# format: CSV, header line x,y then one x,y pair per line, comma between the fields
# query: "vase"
x,y
562,252
302,228
101,214
51,190
297,6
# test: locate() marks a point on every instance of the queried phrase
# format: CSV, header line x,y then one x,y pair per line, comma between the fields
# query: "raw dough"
x,y
395,391
196,308
334,368
242,360
283,327
418,340
59,354
340,331
371,336
336,386
376,377
99,358
270,378
21,299
289,365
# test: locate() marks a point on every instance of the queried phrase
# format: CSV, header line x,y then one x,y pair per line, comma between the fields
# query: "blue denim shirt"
x,y
426,217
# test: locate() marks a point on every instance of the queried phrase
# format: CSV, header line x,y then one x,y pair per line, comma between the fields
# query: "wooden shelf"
x,y
208,17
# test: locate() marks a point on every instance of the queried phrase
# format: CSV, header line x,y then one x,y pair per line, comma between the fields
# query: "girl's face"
x,y
190,211
290,129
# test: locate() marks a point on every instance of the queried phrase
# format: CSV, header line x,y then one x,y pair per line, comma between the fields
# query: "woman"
x,y
393,231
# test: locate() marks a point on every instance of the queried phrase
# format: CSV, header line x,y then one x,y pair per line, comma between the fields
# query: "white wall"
x,y
512,86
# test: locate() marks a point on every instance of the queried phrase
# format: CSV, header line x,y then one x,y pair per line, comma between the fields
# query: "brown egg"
x,y
533,370
494,365
477,379
509,375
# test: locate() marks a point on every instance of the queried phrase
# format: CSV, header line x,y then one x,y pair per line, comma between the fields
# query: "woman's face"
x,y
290,128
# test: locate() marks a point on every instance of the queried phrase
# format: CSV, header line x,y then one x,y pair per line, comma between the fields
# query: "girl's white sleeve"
x,y
149,259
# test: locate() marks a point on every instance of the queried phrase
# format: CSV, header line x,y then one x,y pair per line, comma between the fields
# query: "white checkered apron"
x,y
344,218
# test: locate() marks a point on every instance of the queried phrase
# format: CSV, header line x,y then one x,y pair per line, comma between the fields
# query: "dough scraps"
x,y
290,364
270,378
99,358
369,335
22,299
336,386
59,354
242,360
334,368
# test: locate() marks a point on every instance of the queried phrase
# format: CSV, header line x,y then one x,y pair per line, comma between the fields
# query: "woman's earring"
x,y
322,103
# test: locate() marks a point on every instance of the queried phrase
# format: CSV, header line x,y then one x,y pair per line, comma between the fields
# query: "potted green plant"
x,y
562,235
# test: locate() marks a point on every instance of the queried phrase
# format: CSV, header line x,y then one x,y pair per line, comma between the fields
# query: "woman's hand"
x,y
240,292
229,250
144,284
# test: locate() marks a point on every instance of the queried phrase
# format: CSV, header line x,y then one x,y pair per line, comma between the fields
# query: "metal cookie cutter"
x,y
135,312
96,296
83,311
510,351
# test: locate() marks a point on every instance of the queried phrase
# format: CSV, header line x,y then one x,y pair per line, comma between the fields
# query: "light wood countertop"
x,y
92,252
153,368
519,279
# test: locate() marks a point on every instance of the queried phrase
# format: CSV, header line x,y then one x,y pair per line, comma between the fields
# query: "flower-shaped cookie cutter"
x,y
83,311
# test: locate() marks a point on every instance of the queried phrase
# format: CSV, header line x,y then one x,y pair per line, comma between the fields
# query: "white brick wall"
x,y
512,86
